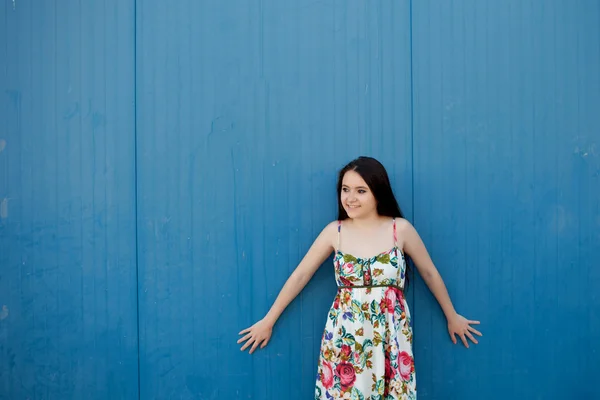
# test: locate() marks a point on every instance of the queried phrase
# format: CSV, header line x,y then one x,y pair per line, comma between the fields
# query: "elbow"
x,y
430,275
300,278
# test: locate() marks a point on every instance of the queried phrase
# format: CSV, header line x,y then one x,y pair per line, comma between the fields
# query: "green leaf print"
x,y
376,315
348,258
364,357
384,258
334,318
356,310
349,339
380,387
357,395
333,315
375,309
367,343
338,341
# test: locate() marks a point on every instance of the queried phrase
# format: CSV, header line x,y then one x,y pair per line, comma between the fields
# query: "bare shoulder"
x,y
327,238
407,232
330,231
403,225
331,227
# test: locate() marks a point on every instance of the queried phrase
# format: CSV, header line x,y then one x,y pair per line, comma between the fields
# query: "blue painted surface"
x,y
507,195
67,201
205,138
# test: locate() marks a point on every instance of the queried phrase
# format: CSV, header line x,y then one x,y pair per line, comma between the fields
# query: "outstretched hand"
x,y
459,325
258,333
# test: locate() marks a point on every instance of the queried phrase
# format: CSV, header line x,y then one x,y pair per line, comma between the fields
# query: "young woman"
x,y
366,348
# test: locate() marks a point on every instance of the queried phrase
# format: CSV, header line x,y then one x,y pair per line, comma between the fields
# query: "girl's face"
x,y
356,197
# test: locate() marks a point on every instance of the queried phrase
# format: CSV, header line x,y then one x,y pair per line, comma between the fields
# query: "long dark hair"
x,y
378,181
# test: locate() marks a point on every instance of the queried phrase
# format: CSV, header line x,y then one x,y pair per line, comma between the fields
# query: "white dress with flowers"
x,y
366,348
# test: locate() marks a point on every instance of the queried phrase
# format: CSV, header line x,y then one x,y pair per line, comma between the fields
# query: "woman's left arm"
x,y
415,248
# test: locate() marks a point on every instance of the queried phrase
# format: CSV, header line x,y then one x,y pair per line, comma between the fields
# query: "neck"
x,y
369,221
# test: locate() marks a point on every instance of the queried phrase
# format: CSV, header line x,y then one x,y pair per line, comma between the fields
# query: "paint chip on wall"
x,y
3,312
4,208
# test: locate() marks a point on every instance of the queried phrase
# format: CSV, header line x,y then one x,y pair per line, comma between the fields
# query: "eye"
x,y
362,191
344,190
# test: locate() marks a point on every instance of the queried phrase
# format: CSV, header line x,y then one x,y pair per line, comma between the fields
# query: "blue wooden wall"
x,y
506,102
165,165
68,324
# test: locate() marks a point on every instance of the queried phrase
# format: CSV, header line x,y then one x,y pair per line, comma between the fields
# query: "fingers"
x,y
253,341
472,338
475,331
464,335
464,340
248,343
256,343
264,343
452,337
245,331
464,330
248,336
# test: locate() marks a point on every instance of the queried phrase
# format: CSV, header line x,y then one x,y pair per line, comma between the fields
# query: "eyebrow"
x,y
358,187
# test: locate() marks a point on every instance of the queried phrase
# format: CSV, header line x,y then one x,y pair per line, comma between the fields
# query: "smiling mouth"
x,y
349,206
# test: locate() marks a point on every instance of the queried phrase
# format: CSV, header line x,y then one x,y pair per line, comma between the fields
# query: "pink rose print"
x,y
348,268
391,298
345,371
327,376
406,365
391,295
386,306
346,282
346,350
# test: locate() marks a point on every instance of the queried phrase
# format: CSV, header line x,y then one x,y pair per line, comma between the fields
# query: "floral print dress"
x,y
366,348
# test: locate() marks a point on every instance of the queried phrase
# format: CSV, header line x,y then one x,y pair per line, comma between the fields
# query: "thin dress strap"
x,y
339,229
395,236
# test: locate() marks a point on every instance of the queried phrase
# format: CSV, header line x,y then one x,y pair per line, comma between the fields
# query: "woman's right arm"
x,y
260,332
